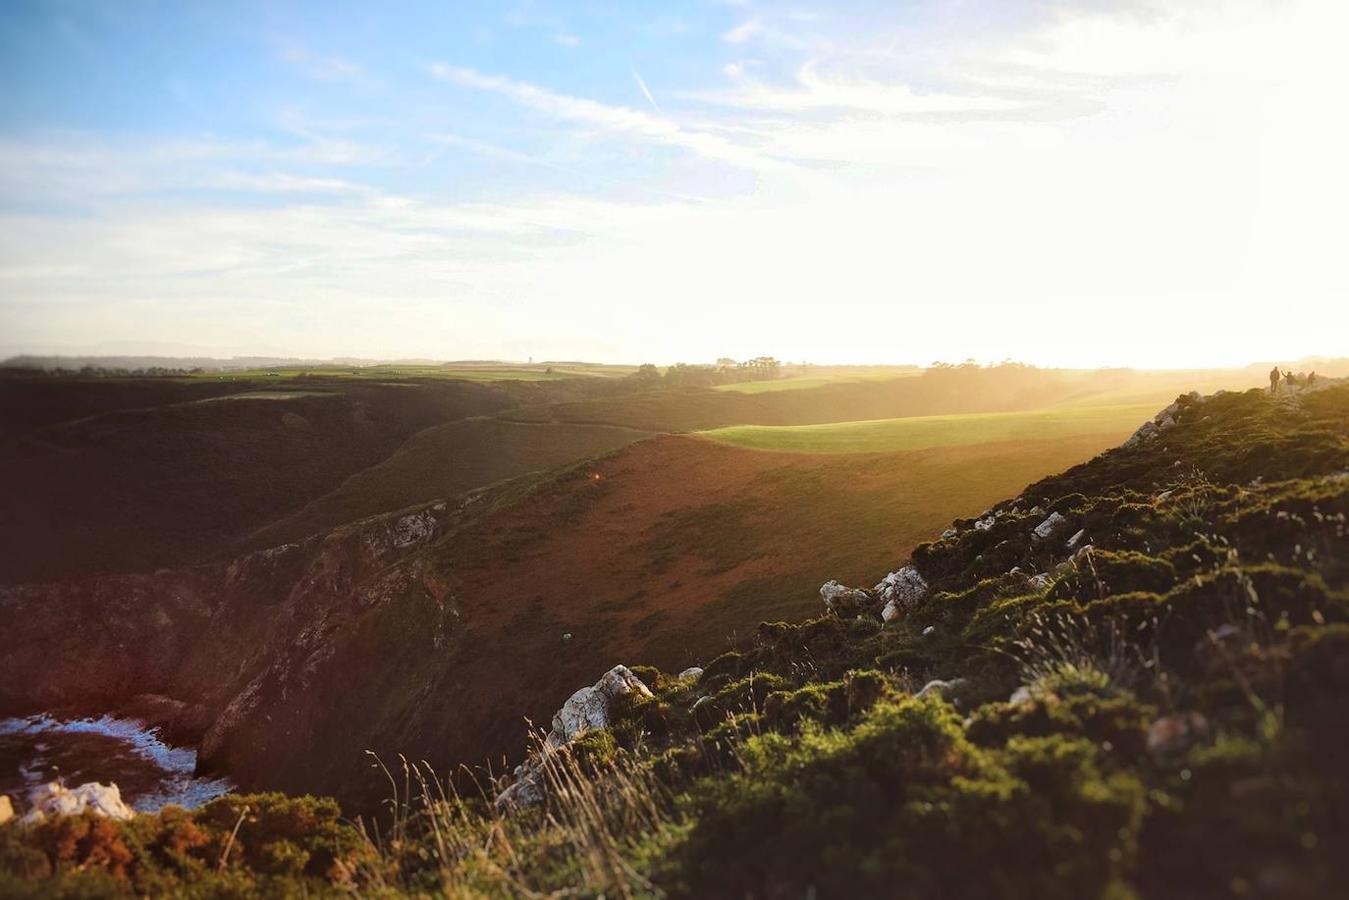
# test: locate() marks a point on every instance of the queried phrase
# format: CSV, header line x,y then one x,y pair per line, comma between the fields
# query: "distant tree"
x,y
646,376
762,368
684,375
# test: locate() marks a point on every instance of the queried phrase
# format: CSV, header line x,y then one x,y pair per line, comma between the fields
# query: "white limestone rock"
x,y
1164,420
842,600
901,590
55,799
1051,524
692,672
588,708
1076,538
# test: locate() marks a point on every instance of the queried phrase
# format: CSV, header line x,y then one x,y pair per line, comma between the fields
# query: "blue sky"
x,y
1072,183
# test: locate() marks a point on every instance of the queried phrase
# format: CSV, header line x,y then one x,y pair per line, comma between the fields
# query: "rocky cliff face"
x,y
233,654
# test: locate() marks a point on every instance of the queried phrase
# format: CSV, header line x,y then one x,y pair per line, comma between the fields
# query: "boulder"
x,y
1146,432
1161,422
1076,538
985,524
692,672
1051,524
901,590
55,799
588,708
843,601
949,533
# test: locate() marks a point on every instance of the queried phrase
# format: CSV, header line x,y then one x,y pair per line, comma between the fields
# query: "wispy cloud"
x,y
621,120
318,66
646,91
743,32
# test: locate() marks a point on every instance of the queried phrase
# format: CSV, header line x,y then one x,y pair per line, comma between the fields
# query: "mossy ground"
x,y
1179,727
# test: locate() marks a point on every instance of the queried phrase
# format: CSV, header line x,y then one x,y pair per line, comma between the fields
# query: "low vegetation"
x,y
1161,714
918,432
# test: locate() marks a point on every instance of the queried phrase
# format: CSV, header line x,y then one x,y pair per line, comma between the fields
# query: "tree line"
x,y
725,371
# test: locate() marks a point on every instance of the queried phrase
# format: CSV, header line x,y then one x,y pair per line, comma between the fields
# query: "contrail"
x,y
647,91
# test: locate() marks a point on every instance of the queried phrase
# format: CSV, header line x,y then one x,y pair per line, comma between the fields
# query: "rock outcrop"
x,y
1162,421
901,590
55,799
842,600
588,708
1052,523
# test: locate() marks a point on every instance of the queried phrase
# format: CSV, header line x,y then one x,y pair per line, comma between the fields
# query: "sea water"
x,y
150,773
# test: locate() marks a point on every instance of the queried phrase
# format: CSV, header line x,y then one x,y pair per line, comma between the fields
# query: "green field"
x,y
918,432
804,382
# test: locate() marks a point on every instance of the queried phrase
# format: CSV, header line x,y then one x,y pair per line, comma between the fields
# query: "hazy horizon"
x,y
1143,184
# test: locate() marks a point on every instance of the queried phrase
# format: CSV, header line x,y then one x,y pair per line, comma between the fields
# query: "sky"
x,y
1156,184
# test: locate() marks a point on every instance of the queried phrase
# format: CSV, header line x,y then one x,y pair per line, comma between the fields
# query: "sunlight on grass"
x,y
918,432
804,382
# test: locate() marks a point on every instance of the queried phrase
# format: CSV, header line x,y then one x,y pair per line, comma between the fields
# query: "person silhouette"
x,y
1274,380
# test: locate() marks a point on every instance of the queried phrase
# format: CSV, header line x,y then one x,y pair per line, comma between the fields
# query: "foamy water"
x,y
150,773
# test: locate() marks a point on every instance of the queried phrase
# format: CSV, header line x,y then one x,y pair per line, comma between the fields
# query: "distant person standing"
x,y
1274,380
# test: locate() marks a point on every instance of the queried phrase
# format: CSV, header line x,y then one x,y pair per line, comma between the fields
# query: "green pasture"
x,y
919,432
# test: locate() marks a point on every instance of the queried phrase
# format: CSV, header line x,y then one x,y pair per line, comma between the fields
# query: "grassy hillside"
x,y
446,461
1162,714
885,435
404,372
822,375
944,391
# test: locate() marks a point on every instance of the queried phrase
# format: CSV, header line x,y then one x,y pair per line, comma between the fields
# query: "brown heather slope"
x,y
445,461
431,633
